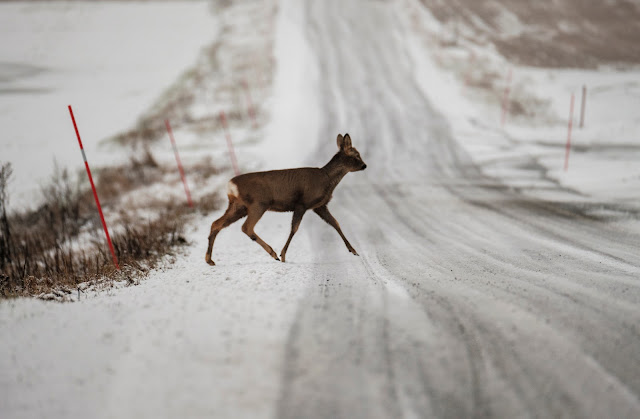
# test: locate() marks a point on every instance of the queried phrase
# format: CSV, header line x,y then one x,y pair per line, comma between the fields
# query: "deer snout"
x,y
364,166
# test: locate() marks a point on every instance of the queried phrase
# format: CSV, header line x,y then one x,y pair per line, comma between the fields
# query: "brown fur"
x,y
296,190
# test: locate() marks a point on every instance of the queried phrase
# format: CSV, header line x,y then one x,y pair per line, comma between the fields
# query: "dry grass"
x,y
53,249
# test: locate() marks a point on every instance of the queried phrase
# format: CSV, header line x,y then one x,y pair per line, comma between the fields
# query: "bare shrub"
x,y
47,250
61,208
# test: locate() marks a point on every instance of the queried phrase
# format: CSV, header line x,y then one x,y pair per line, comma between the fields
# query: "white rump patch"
x,y
232,189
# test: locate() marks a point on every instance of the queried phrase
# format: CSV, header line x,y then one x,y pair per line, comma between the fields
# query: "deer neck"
x,y
336,170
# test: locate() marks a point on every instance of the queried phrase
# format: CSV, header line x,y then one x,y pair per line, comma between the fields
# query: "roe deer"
x,y
297,190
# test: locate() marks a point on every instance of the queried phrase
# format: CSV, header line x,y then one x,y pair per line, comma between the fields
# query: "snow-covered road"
x,y
467,300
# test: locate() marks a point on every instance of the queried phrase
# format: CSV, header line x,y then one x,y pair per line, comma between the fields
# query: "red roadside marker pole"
x,y
505,99
566,154
93,187
232,153
175,151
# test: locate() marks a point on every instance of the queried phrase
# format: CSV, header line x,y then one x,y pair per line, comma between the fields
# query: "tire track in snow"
x,y
472,351
608,317
331,364
454,298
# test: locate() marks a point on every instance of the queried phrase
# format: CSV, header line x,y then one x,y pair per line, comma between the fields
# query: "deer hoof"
x,y
282,258
354,252
209,261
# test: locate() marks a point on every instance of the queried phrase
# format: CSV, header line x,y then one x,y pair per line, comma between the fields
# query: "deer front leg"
x,y
324,213
295,223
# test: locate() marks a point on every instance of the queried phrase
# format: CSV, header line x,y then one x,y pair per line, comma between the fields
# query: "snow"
x,y
153,350
109,60
600,167
296,80
484,286
600,164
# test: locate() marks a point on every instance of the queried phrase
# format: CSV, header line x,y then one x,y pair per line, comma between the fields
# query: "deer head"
x,y
348,155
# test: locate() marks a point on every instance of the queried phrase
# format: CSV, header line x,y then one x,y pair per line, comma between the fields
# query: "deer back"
x,y
283,190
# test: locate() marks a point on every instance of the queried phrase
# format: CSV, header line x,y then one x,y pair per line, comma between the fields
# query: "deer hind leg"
x,y
295,223
324,213
234,212
254,215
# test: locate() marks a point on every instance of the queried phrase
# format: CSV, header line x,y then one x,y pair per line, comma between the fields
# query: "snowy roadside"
x,y
87,55
109,60
231,75
183,344
468,81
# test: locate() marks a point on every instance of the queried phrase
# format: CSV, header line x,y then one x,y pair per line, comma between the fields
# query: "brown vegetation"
x,y
60,244
566,33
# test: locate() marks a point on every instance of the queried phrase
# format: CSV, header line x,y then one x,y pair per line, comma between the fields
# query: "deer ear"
x,y
346,143
340,141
